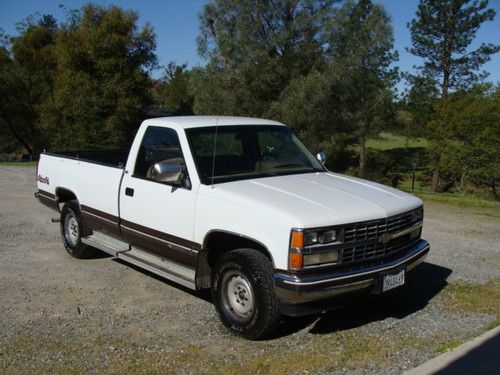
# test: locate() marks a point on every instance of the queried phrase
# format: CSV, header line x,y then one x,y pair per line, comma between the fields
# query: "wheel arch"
x,y
64,195
217,242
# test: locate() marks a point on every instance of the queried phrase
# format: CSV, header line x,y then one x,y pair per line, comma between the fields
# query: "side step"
x,y
106,243
165,268
160,266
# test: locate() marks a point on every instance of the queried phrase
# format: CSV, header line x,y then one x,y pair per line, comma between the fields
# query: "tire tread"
x,y
258,263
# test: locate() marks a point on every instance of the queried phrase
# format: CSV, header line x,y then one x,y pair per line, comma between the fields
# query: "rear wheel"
x,y
243,293
73,228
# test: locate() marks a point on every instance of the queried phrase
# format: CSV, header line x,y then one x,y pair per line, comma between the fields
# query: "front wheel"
x,y
73,228
243,293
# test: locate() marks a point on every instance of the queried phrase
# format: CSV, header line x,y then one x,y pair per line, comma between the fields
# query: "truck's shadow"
x,y
422,284
202,294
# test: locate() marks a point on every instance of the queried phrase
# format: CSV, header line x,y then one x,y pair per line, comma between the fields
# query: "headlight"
x,y
310,238
418,215
304,238
320,258
329,236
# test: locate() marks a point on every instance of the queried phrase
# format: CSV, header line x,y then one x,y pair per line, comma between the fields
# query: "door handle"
x,y
129,192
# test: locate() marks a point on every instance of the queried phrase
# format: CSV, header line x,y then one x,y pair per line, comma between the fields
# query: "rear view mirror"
x,y
168,171
321,156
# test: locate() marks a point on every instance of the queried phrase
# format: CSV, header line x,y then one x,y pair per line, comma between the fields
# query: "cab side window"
x,y
158,144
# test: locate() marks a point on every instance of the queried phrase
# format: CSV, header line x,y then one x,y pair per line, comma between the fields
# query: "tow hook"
x,y
55,219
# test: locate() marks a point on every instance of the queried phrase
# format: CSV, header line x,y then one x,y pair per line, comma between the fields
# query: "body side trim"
x,y
47,199
156,246
165,237
145,235
46,194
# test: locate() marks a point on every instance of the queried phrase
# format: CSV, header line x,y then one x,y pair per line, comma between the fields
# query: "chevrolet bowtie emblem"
x,y
384,238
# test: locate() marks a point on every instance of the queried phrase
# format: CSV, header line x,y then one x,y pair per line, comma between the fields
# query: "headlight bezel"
x,y
312,243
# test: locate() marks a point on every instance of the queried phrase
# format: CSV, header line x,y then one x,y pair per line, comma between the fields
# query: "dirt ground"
x,y
63,315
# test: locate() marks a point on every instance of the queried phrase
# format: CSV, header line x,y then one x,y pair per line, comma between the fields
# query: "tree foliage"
x,y
27,65
254,48
442,35
78,84
324,67
467,130
346,102
171,91
101,82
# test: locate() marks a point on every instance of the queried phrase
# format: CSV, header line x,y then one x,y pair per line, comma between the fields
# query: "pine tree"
x,y
441,35
361,44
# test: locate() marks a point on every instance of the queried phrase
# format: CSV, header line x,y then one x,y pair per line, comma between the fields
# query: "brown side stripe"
x,y
102,214
46,194
140,228
163,236
158,246
48,199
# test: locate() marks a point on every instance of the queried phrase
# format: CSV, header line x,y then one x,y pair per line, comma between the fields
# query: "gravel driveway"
x,y
60,315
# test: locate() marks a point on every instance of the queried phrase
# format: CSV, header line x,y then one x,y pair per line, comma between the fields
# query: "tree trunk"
x,y
435,179
17,136
494,190
362,158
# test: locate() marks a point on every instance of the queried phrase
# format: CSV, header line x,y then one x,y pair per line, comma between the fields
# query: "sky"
x,y
177,25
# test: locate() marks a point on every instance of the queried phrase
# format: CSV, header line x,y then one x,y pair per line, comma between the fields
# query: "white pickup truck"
x,y
240,206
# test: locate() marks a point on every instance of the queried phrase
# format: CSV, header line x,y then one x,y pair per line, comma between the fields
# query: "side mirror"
x,y
321,156
168,171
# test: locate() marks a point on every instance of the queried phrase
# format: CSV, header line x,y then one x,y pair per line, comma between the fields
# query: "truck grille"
x,y
373,251
374,229
356,249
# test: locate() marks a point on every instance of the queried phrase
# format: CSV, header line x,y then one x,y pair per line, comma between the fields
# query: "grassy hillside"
x,y
388,141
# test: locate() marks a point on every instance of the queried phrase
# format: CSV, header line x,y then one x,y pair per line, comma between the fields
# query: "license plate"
x,y
393,281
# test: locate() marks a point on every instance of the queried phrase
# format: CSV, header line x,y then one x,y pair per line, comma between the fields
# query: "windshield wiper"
x,y
290,165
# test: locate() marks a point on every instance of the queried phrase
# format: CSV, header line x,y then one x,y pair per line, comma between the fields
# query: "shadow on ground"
x,y
205,294
483,359
422,284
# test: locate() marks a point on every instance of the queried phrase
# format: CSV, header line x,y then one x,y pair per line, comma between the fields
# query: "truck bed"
x,y
92,177
111,158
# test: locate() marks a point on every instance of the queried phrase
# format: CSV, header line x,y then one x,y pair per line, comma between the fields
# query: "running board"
x,y
167,269
106,243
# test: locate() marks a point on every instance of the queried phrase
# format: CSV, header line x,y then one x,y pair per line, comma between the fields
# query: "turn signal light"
x,y
298,240
296,260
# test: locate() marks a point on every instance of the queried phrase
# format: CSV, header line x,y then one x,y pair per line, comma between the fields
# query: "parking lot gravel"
x,y
63,315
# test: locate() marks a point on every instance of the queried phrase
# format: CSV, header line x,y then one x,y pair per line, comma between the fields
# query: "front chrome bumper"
x,y
292,289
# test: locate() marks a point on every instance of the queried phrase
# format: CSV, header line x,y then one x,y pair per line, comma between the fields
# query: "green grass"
x,y
19,163
388,141
466,201
472,298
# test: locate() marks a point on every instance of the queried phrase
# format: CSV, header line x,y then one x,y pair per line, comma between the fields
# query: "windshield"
x,y
248,151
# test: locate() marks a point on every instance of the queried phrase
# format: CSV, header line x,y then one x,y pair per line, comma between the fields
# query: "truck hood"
x,y
318,199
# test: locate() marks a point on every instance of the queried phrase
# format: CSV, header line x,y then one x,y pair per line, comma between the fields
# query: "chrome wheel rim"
x,y
71,229
238,296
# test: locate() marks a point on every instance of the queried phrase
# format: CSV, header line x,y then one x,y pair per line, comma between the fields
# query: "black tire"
x,y
252,270
73,228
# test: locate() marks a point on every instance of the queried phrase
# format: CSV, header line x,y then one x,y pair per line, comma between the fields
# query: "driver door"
x,y
158,216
